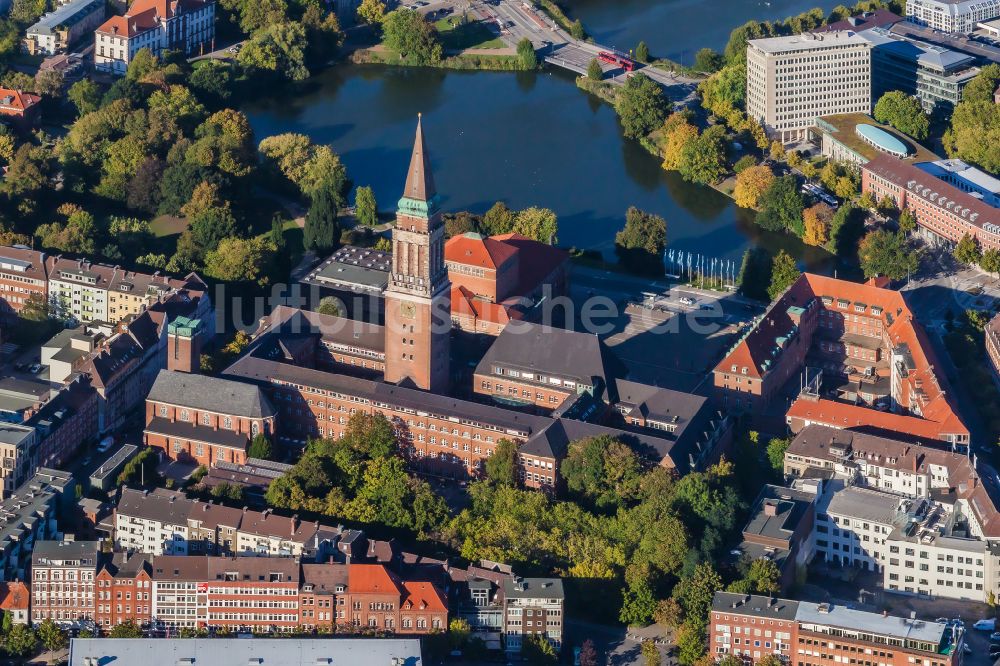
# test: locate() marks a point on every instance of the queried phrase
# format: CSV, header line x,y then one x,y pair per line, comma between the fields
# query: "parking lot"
x,y
667,334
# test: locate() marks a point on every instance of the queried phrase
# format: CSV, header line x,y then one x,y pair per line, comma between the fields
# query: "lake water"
x,y
676,29
529,139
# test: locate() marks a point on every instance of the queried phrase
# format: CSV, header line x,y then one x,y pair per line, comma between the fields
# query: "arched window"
x,y
254,428
227,423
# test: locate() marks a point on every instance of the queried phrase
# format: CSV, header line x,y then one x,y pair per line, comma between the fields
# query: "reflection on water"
x,y
528,139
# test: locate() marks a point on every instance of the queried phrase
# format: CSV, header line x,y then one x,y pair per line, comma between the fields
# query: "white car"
x,y
686,300
105,444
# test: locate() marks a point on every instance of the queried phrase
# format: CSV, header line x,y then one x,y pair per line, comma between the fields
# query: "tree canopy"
x,y
903,112
887,253
639,245
641,106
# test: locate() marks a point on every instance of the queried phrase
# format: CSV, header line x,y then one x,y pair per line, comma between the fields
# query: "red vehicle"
x,y
608,57
627,63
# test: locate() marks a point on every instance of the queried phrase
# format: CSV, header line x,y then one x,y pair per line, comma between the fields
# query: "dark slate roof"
x,y
324,577
660,404
198,433
49,551
556,351
289,325
753,604
211,394
161,505
789,506
533,588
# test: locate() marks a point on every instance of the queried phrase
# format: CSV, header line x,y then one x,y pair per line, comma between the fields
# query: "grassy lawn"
x,y
472,35
168,225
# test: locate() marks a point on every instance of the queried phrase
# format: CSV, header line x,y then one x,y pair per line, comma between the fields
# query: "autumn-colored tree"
x,y
751,184
679,133
817,221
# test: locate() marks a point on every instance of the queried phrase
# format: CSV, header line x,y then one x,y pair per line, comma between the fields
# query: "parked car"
x,y
687,300
966,649
35,368
986,624
995,637
105,444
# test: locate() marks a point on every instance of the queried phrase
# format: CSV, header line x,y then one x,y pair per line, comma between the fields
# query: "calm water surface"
x,y
528,139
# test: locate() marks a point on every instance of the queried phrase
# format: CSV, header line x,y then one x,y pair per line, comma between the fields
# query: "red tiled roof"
x,y
843,415
17,101
923,388
475,250
464,302
14,596
423,596
371,579
536,260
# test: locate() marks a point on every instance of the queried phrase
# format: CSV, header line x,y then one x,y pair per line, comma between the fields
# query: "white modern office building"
x,y
959,16
792,81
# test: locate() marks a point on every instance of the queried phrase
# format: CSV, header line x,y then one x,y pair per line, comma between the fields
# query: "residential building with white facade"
x,y
922,516
532,606
153,522
958,16
57,30
792,81
157,25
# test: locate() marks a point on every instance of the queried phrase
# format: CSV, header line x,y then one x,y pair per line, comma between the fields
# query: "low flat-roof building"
x,y
780,529
270,652
30,514
357,277
841,138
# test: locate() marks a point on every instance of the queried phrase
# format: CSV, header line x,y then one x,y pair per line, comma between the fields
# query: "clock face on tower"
x,y
407,310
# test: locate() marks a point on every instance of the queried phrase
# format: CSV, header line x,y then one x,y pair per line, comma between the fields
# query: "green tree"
x,y
21,641
639,245
784,272
967,251
989,263
650,653
907,221
365,208
526,54
278,48
238,259
126,629
704,159
52,636
982,88
764,576
603,471
903,112
691,641
781,206
35,308
371,12
594,71
330,306
6,624
755,273
212,81
642,52
776,454
708,61
539,224
641,106
322,230
886,253
407,33
501,467
638,602
536,649
85,95
260,447
499,219
458,633
576,30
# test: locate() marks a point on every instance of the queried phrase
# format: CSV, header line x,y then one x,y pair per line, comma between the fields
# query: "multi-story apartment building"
x,y
62,581
187,26
780,529
793,80
947,200
27,515
245,593
933,74
65,422
958,16
17,444
22,275
204,419
532,606
165,522
88,291
800,632
920,515
378,600
59,29
124,590
869,363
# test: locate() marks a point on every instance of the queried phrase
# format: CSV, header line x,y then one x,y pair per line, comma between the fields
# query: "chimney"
x,y
770,508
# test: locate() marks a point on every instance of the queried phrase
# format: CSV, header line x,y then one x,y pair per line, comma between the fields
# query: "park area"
x,y
457,33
